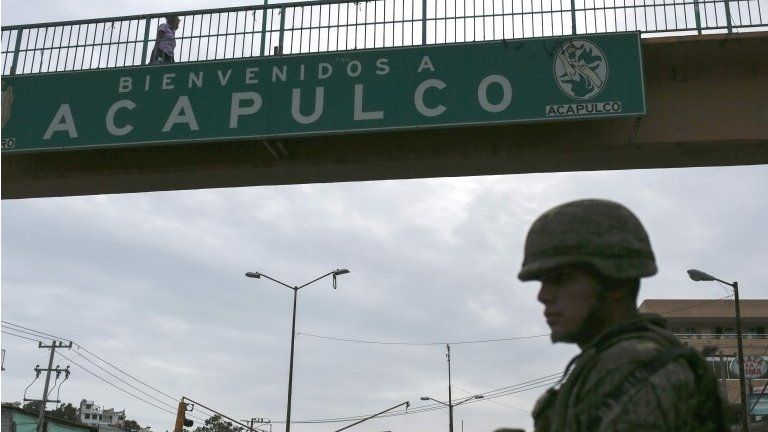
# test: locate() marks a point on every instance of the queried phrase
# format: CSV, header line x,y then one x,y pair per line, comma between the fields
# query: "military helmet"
x,y
599,233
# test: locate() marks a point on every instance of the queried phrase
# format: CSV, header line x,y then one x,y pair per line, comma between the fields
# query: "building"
x,y
15,419
710,327
92,414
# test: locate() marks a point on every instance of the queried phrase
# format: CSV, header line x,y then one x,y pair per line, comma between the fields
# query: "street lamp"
x,y
451,405
295,288
698,275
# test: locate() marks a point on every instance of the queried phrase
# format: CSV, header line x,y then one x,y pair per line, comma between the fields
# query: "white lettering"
x,y
357,66
418,98
62,121
250,75
482,93
382,67
324,70
301,73
426,63
146,83
359,113
168,81
277,72
224,78
296,106
182,113
126,85
196,79
236,110
111,127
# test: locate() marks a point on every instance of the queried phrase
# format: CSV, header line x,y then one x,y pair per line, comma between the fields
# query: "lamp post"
x,y
698,275
295,289
450,407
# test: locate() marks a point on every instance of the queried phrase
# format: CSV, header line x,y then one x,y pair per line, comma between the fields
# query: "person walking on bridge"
x,y
632,374
165,43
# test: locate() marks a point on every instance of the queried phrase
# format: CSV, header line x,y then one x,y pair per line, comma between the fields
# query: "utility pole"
x,y
450,399
260,421
44,401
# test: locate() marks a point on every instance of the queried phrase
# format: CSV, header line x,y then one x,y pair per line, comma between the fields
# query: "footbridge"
x,y
335,91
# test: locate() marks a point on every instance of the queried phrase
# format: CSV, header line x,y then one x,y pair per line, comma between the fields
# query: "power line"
x,y
21,331
80,347
340,339
695,305
115,386
123,381
36,331
19,336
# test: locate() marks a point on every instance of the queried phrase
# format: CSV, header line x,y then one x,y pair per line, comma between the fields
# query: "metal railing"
x,y
720,336
342,25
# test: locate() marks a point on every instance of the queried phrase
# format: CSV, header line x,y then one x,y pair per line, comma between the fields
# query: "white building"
x,y
92,414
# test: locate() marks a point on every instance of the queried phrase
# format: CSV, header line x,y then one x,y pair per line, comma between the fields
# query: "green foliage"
x,y
131,425
217,424
65,412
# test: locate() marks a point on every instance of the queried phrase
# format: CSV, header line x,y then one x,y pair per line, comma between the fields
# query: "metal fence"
x,y
341,25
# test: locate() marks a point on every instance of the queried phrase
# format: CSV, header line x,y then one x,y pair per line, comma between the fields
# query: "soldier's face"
x,y
569,296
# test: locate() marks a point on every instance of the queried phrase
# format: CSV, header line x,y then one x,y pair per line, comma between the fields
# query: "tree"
x,y
65,412
32,406
131,425
216,424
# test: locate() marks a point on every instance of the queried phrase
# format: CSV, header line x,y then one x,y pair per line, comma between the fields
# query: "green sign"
x,y
532,80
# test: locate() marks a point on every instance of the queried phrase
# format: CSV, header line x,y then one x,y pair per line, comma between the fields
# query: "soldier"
x,y
632,374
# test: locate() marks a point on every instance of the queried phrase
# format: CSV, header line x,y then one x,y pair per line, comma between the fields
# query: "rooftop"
x,y
703,308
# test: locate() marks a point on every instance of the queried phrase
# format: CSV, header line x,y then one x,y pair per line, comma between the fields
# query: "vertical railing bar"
x,y
214,35
282,29
145,44
17,47
263,28
728,24
109,44
251,32
573,17
340,8
77,47
207,36
84,45
697,15
125,44
245,31
101,44
424,22
34,51
53,45
226,36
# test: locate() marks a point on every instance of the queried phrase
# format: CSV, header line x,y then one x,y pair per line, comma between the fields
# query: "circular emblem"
x,y
581,69
755,367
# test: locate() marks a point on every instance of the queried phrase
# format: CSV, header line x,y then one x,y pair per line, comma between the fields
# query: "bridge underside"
x,y
707,99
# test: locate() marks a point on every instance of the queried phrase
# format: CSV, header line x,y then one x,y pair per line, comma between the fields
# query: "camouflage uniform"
x,y
634,377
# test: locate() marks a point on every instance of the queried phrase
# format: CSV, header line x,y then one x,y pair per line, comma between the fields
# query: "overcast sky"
x,y
154,283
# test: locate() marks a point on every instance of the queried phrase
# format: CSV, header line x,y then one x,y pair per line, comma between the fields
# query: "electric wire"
x,y
361,341
115,386
695,305
36,331
23,337
28,332
124,381
501,392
